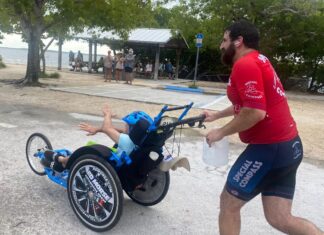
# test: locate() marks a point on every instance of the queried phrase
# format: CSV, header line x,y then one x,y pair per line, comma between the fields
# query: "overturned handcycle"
x,y
95,176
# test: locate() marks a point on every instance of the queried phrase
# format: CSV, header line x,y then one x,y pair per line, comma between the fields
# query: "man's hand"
x,y
210,115
214,135
92,130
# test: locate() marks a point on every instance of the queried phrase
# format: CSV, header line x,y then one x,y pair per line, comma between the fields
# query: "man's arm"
x,y
214,115
247,118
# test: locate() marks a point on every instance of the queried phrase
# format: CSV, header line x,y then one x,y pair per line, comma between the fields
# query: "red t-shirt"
x,y
254,84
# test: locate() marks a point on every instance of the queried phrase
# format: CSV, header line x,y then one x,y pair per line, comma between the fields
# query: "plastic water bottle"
x,y
217,154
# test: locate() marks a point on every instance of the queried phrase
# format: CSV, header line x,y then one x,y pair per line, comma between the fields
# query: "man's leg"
x,y
131,78
229,215
105,73
277,211
126,77
109,74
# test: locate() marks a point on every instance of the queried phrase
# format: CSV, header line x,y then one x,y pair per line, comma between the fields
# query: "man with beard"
x,y
263,120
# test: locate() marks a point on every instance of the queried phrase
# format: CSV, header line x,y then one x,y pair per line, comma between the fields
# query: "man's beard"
x,y
228,55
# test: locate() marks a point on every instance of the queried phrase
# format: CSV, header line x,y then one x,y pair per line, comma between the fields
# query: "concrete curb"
x,y
181,88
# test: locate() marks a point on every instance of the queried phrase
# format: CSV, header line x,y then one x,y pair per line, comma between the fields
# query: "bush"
x,y
193,86
49,75
2,65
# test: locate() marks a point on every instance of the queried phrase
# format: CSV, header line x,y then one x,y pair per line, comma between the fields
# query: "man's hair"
x,y
247,30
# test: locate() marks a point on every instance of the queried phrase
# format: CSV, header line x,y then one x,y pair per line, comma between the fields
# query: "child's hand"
x,y
107,111
88,128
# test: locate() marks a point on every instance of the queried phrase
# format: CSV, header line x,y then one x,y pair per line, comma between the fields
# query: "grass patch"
x,y
193,86
2,65
49,75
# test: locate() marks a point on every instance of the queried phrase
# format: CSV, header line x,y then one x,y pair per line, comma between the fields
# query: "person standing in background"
x,y
108,62
148,69
119,66
169,69
71,57
129,66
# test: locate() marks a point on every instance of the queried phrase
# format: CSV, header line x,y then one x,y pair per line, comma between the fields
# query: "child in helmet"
x,y
127,138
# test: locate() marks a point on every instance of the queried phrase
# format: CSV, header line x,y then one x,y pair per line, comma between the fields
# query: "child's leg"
x,y
63,160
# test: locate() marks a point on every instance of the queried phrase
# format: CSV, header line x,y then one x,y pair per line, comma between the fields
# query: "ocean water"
x,y
19,56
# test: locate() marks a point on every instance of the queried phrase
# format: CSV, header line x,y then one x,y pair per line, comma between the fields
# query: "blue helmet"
x,y
132,118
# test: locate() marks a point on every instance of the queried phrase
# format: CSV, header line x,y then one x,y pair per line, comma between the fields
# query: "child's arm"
x,y
92,130
107,126
123,128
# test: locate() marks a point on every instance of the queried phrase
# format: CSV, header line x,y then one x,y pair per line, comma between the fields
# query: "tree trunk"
x,y
59,62
42,54
42,58
32,72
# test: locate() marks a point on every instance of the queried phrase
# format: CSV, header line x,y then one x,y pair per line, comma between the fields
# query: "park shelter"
x,y
140,37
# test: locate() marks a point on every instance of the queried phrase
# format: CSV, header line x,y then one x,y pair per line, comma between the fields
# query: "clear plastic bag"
x,y
217,154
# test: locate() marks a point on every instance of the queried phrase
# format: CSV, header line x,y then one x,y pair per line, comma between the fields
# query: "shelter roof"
x,y
139,36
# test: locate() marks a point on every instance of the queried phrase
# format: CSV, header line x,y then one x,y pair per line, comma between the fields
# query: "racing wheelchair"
x,y
95,176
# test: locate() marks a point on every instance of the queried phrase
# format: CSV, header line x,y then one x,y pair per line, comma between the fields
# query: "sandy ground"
x,y
307,110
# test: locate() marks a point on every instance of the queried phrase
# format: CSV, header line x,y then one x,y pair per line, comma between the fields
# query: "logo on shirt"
x,y
229,82
262,58
276,84
251,90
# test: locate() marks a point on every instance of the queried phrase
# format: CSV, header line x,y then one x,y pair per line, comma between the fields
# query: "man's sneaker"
x,y
48,158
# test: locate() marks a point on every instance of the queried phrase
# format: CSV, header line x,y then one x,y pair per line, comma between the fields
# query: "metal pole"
x,y
196,67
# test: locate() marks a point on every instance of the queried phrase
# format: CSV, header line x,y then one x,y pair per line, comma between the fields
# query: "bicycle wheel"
x,y
154,189
95,192
36,144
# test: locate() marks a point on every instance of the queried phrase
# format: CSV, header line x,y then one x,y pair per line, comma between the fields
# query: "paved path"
x,y
151,95
31,204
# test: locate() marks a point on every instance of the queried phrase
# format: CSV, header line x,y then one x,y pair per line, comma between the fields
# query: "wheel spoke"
x,y
82,198
95,212
82,179
78,190
88,206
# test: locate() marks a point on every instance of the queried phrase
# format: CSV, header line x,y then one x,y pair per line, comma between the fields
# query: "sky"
x,y
14,41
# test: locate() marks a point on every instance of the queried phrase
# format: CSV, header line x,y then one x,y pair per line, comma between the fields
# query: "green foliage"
x,y
193,86
49,75
292,32
2,65
42,18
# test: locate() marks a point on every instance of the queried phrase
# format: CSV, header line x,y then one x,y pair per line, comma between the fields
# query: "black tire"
x,y
35,143
154,189
95,192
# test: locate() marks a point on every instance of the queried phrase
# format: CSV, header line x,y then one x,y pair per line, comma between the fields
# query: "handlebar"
x,y
190,121
178,107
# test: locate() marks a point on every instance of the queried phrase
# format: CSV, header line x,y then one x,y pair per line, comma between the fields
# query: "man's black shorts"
x,y
128,69
269,169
